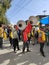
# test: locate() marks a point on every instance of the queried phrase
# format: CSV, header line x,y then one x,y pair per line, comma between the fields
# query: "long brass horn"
x,y
21,24
34,20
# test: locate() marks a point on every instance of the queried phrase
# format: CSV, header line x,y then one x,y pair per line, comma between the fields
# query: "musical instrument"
x,y
21,24
33,20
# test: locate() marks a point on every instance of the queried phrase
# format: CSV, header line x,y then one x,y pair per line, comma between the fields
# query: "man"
x,y
26,31
15,40
25,42
1,36
41,40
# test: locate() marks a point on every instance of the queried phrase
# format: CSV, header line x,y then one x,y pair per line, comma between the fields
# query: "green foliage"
x,y
4,6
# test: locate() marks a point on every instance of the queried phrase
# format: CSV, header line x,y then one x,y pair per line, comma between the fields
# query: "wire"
x,y
19,4
22,7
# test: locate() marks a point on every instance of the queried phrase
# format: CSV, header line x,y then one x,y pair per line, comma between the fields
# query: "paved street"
x,y
8,57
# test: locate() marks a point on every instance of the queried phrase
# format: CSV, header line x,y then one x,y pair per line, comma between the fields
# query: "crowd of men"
x,y
15,35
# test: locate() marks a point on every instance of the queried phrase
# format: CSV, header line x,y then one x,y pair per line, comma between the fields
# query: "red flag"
x,y
28,28
26,31
25,37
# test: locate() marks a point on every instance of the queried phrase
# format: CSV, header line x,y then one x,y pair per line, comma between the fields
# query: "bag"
x,y
4,35
0,32
11,34
43,36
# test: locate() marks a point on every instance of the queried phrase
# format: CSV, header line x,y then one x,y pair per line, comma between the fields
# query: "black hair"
x,y
31,22
26,21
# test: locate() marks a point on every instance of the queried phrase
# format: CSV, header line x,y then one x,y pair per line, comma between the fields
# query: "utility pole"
x,y
44,11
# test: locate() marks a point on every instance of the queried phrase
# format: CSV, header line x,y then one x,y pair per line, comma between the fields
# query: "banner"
x,y
45,20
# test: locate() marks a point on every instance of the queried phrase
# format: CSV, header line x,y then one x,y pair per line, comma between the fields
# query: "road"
x,y
8,57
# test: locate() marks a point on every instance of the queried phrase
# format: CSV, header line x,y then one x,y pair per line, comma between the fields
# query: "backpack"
x,y
41,37
0,32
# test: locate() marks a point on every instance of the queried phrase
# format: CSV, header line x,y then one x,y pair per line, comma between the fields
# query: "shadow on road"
x,y
29,58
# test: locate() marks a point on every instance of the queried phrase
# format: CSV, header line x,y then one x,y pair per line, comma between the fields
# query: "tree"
x,y
4,6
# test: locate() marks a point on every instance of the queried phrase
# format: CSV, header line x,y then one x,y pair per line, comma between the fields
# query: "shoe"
x,y
14,51
44,56
28,51
33,44
18,49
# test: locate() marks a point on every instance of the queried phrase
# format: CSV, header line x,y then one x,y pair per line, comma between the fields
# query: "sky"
x,y
23,9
